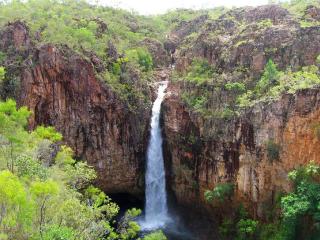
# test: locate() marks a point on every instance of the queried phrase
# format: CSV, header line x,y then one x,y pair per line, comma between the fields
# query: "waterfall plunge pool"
x,y
156,214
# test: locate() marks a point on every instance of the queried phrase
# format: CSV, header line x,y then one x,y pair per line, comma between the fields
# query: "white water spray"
x,y
156,211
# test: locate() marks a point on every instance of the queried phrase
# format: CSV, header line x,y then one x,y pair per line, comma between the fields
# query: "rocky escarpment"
x,y
240,155
256,150
242,40
61,89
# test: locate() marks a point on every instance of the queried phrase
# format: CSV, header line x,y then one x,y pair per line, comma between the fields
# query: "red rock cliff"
x,y
61,89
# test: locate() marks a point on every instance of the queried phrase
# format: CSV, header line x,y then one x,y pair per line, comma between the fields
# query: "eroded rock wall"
x,y
241,155
61,89
202,152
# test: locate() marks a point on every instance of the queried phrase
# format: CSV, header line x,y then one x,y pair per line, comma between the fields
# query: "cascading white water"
x,y
156,211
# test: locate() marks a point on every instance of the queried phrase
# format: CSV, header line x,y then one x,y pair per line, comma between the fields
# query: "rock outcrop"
x,y
256,150
244,39
61,89
242,154
156,49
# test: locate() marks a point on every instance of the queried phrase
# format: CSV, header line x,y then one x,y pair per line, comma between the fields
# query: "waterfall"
x,y
156,210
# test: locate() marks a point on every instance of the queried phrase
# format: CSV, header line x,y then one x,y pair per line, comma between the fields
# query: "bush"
x,y
140,56
273,150
226,229
197,103
266,23
300,208
220,192
200,71
269,78
235,87
55,232
246,229
155,236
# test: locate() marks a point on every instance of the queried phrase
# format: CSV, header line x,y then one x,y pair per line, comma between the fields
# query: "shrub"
x,y
266,23
158,235
55,232
220,192
140,56
2,56
300,208
197,103
273,150
306,24
226,229
227,113
246,229
269,78
200,71
116,68
235,87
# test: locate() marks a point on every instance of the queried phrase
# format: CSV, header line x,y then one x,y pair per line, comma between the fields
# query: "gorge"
x,y
235,126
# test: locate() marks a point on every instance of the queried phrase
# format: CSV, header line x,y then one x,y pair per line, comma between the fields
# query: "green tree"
x,y
55,232
301,208
51,201
30,168
47,133
99,200
127,227
42,193
140,56
12,130
269,78
16,209
220,192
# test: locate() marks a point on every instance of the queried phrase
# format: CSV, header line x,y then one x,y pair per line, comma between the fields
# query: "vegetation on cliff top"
x,y
222,77
46,194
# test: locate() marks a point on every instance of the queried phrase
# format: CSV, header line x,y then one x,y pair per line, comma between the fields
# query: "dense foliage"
x,y
46,194
298,211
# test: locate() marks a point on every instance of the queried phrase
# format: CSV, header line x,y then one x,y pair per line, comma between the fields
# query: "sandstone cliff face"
x,y
62,90
241,155
202,152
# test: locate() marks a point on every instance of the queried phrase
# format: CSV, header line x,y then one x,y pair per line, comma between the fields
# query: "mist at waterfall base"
x,y
156,215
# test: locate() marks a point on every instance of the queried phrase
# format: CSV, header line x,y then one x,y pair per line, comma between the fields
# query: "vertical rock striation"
x,y
241,155
61,89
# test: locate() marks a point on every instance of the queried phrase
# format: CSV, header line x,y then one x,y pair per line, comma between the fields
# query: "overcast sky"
x,y
161,6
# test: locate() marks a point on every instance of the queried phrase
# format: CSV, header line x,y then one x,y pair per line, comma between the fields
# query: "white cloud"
x,y
161,6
